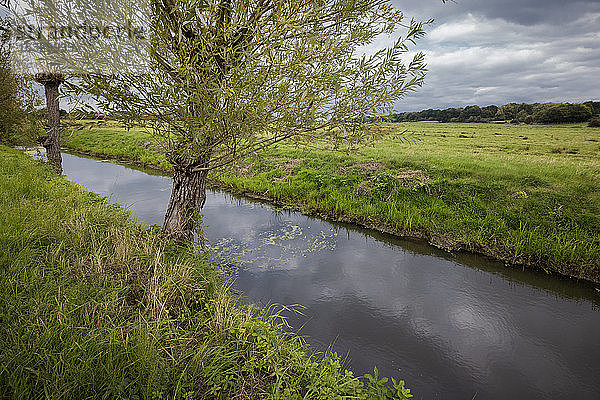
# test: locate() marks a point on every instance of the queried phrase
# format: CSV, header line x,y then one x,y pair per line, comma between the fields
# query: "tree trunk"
x,y
51,141
187,199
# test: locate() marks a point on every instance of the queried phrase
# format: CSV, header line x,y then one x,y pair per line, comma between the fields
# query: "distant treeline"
x,y
538,113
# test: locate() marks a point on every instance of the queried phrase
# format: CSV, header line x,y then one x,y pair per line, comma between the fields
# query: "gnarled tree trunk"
x,y
51,141
187,199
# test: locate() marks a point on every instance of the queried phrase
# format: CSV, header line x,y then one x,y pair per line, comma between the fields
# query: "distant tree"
x,y
579,113
527,108
488,113
428,115
507,112
471,114
594,122
500,115
537,107
594,106
563,113
412,116
450,114
521,116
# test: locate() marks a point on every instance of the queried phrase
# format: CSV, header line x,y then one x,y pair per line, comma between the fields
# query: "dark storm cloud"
x,y
499,52
523,12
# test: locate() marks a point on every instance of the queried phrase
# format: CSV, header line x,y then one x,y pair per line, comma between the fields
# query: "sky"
x,y
501,51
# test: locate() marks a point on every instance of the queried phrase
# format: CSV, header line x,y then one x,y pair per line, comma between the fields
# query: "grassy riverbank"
x,y
525,194
94,306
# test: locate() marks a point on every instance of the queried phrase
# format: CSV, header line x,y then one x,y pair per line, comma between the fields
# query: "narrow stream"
x,y
452,326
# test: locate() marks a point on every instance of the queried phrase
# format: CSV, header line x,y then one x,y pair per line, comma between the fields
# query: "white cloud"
x,y
473,59
469,30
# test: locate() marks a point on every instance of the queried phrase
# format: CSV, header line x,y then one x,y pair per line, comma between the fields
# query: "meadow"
x,y
524,194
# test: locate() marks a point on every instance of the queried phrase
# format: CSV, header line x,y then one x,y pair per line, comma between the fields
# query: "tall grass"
x,y
94,306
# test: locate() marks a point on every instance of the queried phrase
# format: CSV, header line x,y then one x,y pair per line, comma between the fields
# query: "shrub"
x,y
594,122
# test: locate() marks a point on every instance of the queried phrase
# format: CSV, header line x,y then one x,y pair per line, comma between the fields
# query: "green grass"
x,y
109,139
93,306
525,194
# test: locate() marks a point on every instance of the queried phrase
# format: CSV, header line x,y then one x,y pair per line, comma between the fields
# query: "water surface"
x,y
452,326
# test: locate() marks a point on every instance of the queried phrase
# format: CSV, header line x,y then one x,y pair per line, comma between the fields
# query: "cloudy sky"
x,y
500,51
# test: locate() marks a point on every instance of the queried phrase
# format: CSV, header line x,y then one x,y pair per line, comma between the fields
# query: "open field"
x,y
93,306
525,194
111,140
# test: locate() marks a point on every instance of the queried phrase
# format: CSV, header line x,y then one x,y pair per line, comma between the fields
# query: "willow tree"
x,y
51,139
34,62
222,79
